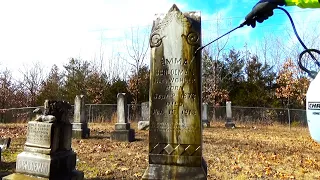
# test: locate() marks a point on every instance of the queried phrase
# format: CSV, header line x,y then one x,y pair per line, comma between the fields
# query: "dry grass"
x,y
260,152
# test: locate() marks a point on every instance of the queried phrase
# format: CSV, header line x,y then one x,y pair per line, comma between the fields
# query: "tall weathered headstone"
x,y
122,128
205,120
47,151
145,116
229,123
175,134
80,124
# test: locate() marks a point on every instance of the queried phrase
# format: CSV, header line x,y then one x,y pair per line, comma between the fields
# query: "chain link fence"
x,y
97,113
260,115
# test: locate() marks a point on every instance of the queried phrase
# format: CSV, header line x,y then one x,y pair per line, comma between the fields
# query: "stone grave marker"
x,y
175,134
205,120
4,144
47,152
122,128
229,123
145,117
80,124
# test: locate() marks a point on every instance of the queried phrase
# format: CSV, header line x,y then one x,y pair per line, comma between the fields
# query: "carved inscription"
x,y
169,127
39,134
35,167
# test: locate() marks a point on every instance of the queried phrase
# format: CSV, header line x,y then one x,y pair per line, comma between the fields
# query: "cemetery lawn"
x,y
247,152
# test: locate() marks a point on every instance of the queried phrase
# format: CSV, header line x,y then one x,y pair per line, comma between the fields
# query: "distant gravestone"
x,y
229,123
80,125
47,152
205,120
145,117
122,128
4,144
175,134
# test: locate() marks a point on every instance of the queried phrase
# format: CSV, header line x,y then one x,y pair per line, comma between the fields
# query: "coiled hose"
x,y
312,74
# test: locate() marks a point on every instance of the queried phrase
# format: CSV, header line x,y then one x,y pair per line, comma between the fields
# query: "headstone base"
x,y
159,171
143,125
205,123
80,130
46,165
123,135
230,125
75,175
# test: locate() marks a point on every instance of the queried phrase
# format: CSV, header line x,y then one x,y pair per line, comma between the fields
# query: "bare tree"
x,y
212,56
137,47
31,81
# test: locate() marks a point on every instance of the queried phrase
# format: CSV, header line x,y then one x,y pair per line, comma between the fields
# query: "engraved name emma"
x,y
171,61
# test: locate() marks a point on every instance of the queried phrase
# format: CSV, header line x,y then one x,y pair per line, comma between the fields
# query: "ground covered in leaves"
x,y
247,152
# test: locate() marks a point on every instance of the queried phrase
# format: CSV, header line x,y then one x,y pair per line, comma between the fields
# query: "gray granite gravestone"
x,y
80,125
175,134
47,152
205,120
229,123
145,117
122,128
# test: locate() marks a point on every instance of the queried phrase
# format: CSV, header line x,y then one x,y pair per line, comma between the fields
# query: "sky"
x,y
52,32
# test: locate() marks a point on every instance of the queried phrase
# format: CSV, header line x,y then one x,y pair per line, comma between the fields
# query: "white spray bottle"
x,y
313,108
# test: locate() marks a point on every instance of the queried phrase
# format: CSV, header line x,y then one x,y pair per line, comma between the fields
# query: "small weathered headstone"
x,y
47,152
175,134
229,123
205,120
145,117
4,143
122,128
80,124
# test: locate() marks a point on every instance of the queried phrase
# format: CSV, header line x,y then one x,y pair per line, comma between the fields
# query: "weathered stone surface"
x,y
122,108
75,175
4,144
204,114
145,115
122,128
143,125
45,165
47,152
81,133
175,134
39,135
229,123
80,124
79,115
175,172
123,135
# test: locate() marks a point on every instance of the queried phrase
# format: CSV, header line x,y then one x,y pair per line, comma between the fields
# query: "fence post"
x,y
129,120
289,118
89,114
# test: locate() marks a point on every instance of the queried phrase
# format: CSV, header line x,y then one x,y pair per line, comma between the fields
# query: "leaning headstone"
x,y
47,152
145,117
4,143
229,123
80,125
175,134
122,128
205,120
